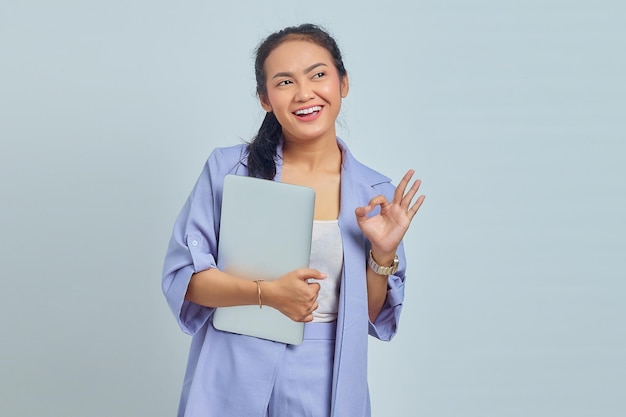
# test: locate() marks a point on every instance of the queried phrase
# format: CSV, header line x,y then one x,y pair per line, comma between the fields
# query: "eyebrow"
x,y
306,70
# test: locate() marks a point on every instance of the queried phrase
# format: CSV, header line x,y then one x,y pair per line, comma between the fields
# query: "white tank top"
x,y
327,257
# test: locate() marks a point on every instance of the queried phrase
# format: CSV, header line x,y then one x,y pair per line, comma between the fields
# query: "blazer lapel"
x,y
350,367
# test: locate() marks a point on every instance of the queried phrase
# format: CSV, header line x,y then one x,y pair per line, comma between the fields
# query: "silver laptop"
x,y
265,232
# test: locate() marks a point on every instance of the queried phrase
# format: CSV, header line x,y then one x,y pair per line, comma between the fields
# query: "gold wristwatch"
x,y
383,270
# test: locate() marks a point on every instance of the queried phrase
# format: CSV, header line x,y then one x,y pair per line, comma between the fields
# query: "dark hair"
x,y
262,149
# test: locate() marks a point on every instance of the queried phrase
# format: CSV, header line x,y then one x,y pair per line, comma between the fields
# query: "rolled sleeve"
x,y
184,258
199,251
193,248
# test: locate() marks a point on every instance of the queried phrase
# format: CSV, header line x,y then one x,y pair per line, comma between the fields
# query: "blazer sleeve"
x,y
193,245
386,324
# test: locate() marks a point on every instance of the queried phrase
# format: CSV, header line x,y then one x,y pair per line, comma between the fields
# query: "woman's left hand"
x,y
386,229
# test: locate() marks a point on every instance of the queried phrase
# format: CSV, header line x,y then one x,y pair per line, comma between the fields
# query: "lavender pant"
x,y
242,376
302,387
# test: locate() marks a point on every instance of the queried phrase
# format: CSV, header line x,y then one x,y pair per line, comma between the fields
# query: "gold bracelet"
x,y
258,288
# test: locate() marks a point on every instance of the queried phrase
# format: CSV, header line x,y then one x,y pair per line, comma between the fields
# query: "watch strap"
x,y
383,270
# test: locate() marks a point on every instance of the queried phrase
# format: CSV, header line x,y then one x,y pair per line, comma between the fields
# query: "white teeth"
x,y
309,110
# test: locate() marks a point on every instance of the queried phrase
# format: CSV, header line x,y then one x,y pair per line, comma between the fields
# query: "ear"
x,y
345,86
265,103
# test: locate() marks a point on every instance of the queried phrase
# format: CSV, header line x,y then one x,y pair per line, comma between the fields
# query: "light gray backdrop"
x,y
512,112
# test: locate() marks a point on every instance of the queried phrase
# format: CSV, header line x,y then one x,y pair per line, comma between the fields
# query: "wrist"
x,y
259,292
267,293
383,258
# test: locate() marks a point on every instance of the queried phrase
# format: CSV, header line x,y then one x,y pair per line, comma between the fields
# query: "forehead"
x,y
294,55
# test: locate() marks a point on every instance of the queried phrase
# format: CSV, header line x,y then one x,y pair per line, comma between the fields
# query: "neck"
x,y
312,156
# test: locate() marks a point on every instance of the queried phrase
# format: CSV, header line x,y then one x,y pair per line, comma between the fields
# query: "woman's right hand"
x,y
293,295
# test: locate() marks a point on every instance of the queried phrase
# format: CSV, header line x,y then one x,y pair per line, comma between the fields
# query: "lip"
x,y
310,116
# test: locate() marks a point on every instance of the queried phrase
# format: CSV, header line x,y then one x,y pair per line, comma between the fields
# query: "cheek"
x,y
276,100
333,89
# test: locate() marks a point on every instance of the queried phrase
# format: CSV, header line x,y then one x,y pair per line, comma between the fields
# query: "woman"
x,y
355,285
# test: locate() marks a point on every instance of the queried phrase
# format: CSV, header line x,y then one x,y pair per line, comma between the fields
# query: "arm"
x,y
291,294
384,232
377,285
214,288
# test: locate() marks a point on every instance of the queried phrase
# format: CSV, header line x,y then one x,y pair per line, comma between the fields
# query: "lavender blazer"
x,y
192,248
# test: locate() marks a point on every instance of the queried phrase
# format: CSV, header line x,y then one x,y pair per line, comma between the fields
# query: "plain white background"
x,y
512,113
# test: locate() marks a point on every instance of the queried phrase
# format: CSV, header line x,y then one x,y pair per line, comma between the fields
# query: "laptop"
x,y
265,232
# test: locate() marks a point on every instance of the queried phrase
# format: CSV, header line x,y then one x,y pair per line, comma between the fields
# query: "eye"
x,y
284,82
319,75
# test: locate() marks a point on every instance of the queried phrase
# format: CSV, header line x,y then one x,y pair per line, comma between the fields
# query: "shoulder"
x,y
227,160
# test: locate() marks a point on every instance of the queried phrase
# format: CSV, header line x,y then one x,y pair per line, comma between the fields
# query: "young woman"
x,y
355,283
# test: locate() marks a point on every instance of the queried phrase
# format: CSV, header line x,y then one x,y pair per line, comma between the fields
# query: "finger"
x,y
408,197
305,274
309,315
415,207
362,211
399,193
315,287
379,200
318,278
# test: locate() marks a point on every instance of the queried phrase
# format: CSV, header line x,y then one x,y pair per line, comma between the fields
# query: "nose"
x,y
304,92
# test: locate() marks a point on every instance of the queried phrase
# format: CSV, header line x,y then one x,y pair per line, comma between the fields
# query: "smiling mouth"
x,y
308,111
